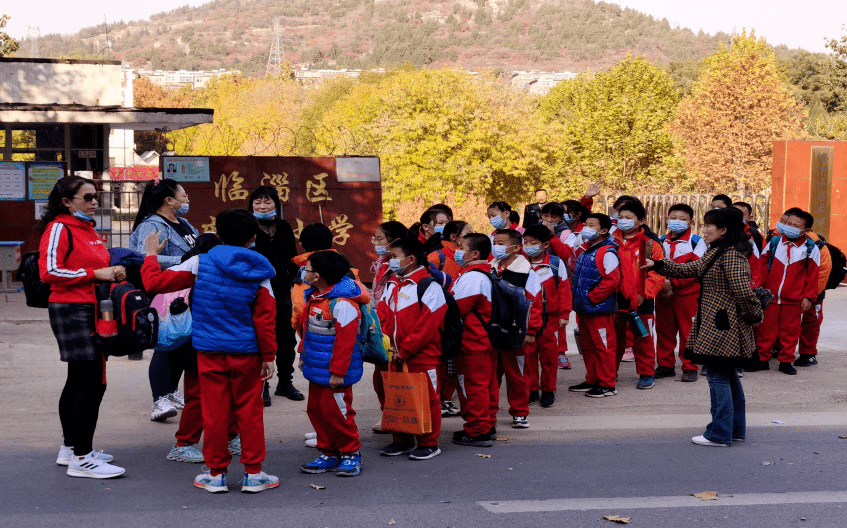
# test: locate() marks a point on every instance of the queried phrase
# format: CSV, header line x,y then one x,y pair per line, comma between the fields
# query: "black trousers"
x,y
79,405
285,341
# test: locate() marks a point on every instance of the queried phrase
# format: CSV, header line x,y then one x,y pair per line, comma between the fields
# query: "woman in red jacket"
x,y
72,257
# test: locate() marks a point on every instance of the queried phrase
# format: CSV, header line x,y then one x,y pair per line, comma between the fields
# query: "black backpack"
x,y
37,293
509,314
839,264
451,336
138,323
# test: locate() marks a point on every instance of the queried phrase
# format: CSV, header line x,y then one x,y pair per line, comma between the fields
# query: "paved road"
x,y
628,455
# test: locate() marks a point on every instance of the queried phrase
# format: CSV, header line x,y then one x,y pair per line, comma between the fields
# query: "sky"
x,y
796,24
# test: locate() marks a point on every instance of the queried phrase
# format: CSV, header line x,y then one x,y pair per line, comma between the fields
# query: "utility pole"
x,y
277,52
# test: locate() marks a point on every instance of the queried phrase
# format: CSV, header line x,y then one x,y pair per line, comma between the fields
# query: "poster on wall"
x,y
42,177
12,180
190,169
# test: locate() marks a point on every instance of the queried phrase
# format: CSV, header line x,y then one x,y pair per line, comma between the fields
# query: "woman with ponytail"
x,y
163,203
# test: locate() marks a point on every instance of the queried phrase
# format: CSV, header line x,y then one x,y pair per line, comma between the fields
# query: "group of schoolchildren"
x,y
571,260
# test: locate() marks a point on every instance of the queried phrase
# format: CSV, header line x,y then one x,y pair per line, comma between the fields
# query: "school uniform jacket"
x,y
519,273
413,325
629,250
472,291
71,274
681,250
556,291
794,274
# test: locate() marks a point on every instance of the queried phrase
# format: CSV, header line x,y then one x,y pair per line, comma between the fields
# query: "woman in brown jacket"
x,y
722,335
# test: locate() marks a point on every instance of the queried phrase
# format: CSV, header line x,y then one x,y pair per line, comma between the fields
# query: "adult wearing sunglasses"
x,y
162,206
72,257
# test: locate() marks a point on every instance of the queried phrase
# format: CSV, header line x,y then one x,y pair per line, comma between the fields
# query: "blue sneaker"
x,y
645,382
256,482
351,465
216,484
322,464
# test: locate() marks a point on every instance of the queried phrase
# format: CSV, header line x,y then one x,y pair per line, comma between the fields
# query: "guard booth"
x,y
343,193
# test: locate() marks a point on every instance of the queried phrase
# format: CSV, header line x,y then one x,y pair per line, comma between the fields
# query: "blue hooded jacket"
x,y
228,281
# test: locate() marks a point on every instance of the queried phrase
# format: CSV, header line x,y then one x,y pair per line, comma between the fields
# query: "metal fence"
x,y
118,207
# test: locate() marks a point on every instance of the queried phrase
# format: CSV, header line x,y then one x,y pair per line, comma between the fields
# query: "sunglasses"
x,y
89,197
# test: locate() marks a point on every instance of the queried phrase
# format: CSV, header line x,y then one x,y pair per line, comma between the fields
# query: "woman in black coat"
x,y
275,240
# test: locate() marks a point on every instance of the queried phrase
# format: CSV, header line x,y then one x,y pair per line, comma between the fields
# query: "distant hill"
x,y
497,34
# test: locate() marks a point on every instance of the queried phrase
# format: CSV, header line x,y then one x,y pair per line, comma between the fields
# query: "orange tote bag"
x,y
406,402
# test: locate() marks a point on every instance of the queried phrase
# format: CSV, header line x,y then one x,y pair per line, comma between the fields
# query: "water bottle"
x,y
107,313
638,328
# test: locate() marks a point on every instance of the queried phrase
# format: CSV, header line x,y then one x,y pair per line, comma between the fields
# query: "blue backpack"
x,y
509,314
773,244
369,339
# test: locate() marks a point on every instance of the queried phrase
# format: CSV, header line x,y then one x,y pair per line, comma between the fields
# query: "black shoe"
x,y
703,370
665,372
600,392
395,449
547,398
289,391
266,394
786,368
462,438
582,387
492,433
425,453
758,366
688,375
806,360
533,397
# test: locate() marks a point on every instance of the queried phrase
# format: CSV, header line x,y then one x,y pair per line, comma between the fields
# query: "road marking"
x,y
674,501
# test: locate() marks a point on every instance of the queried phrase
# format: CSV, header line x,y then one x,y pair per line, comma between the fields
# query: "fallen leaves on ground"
x,y
392,522
618,519
766,463
706,495
480,455
503,438
842,436
317,487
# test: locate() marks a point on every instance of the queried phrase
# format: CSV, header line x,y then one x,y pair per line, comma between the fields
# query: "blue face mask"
x,y
499,251
439,229
82,216
270,215
533,251
395,266
790,232
381,250
303,276
459,257
626,224
183,210
497,222
677,226
568,219
588,233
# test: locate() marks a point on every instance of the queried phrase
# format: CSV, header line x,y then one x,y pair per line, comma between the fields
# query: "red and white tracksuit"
x,y
230,384
414,327
792,278
556,304
675,314
630,251
810,327
511,364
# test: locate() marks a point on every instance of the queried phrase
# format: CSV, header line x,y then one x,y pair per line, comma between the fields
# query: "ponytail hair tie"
x,y
156,181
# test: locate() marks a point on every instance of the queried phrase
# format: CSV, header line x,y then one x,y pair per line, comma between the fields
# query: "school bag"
x,y
369,337
451,336
839,263
509,314
37,293
774,243
137,322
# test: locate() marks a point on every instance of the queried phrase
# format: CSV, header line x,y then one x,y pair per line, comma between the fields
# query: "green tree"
x,y
836,79
612,127
8,45
727,126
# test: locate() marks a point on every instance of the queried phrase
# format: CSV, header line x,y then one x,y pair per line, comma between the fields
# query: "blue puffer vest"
x,y
586,277
319,335
227,282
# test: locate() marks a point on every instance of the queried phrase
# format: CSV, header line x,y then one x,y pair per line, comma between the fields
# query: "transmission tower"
x,y
277,51
33,36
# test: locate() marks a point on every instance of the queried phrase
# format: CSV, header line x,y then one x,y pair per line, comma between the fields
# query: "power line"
x,y
277,51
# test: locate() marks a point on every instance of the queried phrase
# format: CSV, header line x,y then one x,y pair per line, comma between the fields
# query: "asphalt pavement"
x,y
628,455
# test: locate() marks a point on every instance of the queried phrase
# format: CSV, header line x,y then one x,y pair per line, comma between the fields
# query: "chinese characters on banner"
x,y
309,192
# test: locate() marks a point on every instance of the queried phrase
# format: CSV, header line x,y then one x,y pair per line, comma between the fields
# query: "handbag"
x,y
174,319
765,297
407,407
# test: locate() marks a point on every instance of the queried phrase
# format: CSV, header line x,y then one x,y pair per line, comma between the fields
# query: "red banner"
x,y
137,173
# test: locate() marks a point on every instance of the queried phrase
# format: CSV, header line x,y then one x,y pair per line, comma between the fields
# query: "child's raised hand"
x,y
152,246
592,190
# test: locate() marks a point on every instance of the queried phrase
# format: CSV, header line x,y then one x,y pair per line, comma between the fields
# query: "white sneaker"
x,y
520,422
90,466
628,355
256,482
311,442
187,453
703,441
309,436
162,410
177,399
216,484
235,446
65,454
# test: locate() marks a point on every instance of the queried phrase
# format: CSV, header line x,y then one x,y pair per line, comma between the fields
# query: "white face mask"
x,y
588,233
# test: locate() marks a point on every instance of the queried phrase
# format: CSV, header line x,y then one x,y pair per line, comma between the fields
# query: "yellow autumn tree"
x,y
739,106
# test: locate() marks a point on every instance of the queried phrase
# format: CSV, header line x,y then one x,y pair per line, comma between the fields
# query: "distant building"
x,y
180,78
308,76
539,82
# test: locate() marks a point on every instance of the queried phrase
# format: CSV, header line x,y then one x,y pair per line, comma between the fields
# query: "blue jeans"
x,y
728,408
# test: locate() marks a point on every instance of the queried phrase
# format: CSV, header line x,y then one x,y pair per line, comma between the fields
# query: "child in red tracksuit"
x,y
479,393
596,282
632,239
515,269
331,361
233,330
414,325
790,265
556,304
677,303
